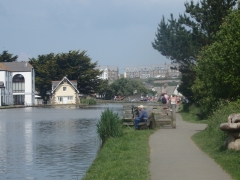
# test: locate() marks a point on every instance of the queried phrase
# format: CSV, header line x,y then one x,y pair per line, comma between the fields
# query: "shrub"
x,y
88,101
110,125
91,101
218,117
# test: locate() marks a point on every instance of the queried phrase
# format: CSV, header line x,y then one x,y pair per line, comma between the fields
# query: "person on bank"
x,y
143,116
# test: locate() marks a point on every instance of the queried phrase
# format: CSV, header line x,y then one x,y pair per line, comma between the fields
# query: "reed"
x,y
110,125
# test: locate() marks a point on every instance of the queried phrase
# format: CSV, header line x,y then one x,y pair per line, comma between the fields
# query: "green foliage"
x,y
74,64
221,116
217,70
6,57
126,87
90,101
104,89
181,39
110,125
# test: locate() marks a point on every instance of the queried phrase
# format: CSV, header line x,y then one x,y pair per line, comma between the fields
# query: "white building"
x,y
18,83
110,73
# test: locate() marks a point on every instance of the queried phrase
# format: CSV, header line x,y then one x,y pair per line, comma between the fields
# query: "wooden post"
x,y
173,116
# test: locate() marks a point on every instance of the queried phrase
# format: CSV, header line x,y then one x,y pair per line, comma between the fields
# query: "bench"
x,y
149,124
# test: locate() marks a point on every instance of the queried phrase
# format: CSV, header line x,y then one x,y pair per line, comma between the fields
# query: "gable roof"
x,y
58,83
16,66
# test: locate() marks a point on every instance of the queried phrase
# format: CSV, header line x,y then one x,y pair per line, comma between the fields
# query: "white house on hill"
x,y
17,83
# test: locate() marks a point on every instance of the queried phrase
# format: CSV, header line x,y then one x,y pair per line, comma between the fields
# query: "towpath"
x,y
174,156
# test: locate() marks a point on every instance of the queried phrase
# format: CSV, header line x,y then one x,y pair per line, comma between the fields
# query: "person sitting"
x,y
143,116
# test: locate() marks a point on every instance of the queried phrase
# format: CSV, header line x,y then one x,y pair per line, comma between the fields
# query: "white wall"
x,y
29,87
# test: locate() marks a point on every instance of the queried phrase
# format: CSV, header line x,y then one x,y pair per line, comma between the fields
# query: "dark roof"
x,y
16,66
55,84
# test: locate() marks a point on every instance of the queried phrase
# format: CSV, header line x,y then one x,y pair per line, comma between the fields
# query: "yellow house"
x,y
65,92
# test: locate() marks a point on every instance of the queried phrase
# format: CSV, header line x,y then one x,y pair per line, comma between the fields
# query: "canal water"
x,y
49,143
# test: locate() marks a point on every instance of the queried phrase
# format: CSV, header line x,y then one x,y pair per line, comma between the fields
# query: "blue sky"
x,y
112,32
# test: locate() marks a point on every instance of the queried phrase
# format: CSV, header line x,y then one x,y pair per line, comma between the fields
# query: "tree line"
x,y
76,65
205,42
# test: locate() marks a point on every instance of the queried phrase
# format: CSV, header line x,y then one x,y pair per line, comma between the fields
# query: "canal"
x,y
57,143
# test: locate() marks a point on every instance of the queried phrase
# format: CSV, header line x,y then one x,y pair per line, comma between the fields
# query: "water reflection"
x,y
48,143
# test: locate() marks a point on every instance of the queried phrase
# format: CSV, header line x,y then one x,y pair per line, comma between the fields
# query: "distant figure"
x,y
178,100
173,100
143,116
167,97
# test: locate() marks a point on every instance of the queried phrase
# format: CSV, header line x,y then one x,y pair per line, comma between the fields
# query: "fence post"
x,y
173,116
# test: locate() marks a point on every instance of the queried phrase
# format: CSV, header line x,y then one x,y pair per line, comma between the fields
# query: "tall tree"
x,y
74,64
7,57
104,89
181,39
218,66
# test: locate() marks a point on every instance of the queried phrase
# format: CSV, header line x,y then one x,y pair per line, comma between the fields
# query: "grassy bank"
x,y
212,139
126,157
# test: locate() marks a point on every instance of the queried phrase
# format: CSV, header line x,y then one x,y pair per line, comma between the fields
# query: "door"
x,y
65,100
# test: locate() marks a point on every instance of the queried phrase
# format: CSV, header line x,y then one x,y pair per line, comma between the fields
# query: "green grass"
x,y
125,157
212,139
188,113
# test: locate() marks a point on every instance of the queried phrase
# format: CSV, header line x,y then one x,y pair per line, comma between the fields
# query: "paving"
x,y
174,156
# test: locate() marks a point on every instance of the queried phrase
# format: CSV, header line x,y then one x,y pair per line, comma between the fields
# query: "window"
x,y
18,99
18,83
70,98
64,88
60,98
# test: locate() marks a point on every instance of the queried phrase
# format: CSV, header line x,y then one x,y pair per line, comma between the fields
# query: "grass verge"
x,y
125,157
212,139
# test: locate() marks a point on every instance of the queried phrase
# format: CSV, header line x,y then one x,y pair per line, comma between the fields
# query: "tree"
x,y
104,89
218,66
181,40
126,87
6,57
74,64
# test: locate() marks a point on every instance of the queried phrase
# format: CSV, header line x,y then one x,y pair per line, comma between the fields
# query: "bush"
x,y
110,125
88,101
218,117
92,101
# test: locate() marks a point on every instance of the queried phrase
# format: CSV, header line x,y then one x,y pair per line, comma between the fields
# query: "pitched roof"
x,y
72,82
110,68
16,66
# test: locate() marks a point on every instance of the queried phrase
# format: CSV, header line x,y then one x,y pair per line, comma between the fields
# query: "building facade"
x,y
151,71
18,83
110,73
65,92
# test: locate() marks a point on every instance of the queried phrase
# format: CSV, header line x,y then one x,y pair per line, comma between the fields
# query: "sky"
x,y
112,32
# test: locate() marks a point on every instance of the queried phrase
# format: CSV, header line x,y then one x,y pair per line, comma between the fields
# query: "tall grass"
x,y
110,125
